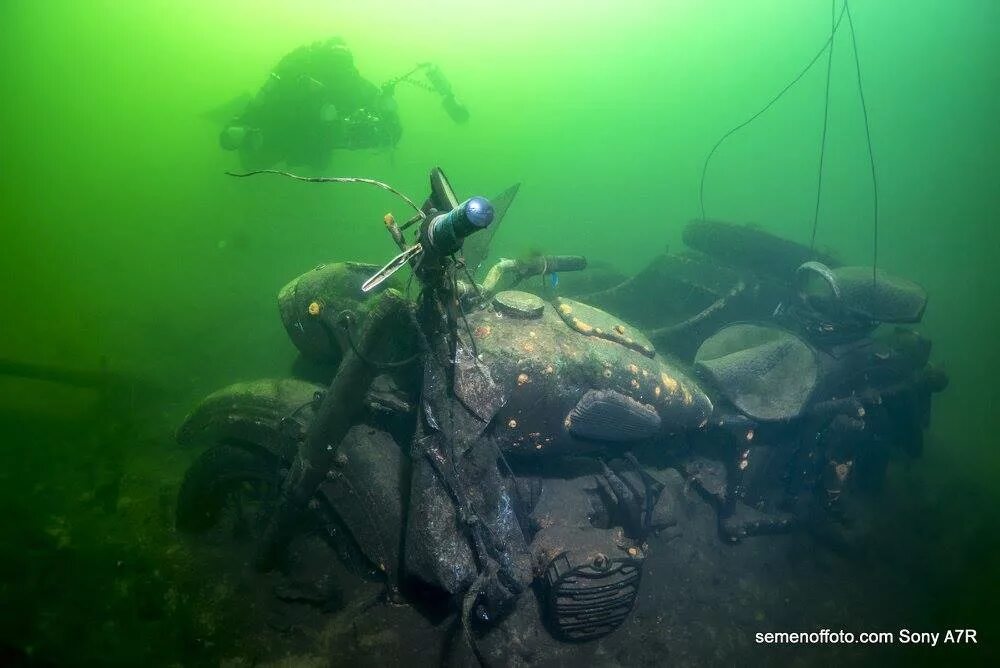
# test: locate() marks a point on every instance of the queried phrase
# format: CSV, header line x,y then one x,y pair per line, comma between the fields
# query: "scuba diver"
x,y
315,101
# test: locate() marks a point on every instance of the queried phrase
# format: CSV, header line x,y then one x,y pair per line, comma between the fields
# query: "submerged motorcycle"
x,y
479,440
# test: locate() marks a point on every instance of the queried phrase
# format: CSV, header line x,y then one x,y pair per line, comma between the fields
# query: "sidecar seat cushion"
x,y
886,299
606,415
766,372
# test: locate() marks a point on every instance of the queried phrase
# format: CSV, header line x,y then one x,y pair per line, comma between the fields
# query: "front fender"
x,y
272,414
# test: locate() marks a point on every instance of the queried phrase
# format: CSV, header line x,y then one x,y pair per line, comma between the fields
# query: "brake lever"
x,y
394,265
443,233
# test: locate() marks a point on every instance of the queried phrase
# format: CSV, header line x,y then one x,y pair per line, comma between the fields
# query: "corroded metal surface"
x,y
543,368
592,321
365,488
311,306
270,413
518,304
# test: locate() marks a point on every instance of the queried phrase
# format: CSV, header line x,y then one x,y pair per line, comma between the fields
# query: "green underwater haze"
x,y
125,247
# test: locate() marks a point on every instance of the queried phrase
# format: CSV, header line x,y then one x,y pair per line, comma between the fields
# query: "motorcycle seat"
x,y
767,373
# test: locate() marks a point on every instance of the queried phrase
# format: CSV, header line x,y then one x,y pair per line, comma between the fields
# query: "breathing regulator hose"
x,y
436,83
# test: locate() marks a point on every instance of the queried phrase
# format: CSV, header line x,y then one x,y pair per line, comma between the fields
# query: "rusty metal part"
x,y
518,304
594,322
272,414
394,265
339,410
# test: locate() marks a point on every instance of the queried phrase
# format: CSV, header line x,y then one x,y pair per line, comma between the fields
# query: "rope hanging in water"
x,y
826,117
332,179
708,159
836,20
871,154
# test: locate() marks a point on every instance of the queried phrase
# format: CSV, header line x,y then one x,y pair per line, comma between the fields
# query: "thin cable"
x,y
465,320
333,179
346,317
826,117
871,154
704,170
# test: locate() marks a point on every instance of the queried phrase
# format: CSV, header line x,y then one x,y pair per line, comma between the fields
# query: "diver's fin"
x,y
477,246
226,111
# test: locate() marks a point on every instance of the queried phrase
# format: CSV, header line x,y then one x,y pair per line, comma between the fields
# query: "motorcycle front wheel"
x,y
229,489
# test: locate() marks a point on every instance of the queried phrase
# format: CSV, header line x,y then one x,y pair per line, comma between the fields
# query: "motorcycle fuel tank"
x,y
570,378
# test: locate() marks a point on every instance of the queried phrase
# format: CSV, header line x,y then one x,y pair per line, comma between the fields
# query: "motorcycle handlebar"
x,y
519,270
554,263
548,264
446,231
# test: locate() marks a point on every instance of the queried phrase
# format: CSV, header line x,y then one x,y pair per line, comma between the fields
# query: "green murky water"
x,y
124,246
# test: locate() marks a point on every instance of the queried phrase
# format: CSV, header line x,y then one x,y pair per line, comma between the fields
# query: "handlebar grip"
x,y
446,231
555,263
